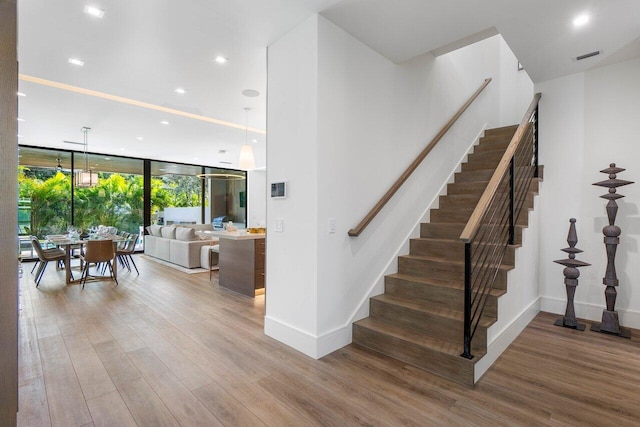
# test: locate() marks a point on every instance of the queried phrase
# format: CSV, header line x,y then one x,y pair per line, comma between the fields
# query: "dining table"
x,y
67,243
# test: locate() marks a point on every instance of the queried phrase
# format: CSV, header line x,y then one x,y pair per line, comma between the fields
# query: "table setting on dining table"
x,y
75,239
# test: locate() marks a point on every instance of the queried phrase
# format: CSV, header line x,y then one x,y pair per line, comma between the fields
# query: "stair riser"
x,y
459,216
448,297
486,156
477,188
474,176
459,201
441,270
439,327
467,188
454,368
468,205
508,130
485,175
491,145
453,249
479,166
453,231
430,268
441,231
489,164
449,249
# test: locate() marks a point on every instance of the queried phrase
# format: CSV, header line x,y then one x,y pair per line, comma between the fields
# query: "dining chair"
x,y
124,254
97,252
44,256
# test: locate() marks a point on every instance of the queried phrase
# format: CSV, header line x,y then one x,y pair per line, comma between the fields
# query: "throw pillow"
x,y
168,232
155,230
186,234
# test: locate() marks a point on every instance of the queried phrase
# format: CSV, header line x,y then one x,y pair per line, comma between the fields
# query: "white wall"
x,y
186,214
257,202
365,119
292,264
587,121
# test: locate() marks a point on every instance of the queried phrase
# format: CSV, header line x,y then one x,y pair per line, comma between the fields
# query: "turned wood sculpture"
x,y
610,323
571,274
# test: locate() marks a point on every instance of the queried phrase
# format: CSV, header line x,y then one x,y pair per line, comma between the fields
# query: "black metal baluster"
x,y
467,301
512,219
535,143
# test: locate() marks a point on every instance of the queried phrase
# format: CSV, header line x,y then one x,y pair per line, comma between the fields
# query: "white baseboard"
x,y
588,311
506,337
309,344
293,337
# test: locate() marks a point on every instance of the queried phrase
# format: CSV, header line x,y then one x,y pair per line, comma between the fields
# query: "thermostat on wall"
x,y
278,190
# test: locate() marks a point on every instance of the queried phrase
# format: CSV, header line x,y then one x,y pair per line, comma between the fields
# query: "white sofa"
x,y
177,244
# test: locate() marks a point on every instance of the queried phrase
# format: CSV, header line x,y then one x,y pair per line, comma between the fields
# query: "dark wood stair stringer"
x,y
419,319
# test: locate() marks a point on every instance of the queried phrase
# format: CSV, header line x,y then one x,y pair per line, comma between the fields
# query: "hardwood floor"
x,y
167,348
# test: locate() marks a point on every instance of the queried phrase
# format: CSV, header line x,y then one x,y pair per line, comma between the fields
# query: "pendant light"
x,y
246,161
59,167
86,178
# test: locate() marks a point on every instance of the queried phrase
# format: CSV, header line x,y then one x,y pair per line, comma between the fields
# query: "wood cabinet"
x,y
241,264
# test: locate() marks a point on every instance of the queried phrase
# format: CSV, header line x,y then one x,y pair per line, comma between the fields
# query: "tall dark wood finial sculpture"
x,y
610,323
571,274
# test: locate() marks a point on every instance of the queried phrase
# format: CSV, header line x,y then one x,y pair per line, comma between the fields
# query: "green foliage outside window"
x,y
117,200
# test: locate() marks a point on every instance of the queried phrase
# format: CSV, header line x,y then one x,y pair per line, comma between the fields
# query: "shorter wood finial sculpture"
x,y
571,274
610,323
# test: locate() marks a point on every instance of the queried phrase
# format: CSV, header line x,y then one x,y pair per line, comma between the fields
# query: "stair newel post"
x,y
535,143
512,205
467,301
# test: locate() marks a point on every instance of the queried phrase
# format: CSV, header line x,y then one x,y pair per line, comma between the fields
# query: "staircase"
x,y
420,317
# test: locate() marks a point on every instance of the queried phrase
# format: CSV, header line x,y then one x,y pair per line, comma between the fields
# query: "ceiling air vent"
x,y
588,55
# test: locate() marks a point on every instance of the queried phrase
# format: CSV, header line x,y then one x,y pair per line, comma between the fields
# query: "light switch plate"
x,y
279,225
332,225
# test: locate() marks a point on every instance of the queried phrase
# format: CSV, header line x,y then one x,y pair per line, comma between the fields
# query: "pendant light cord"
x,y
85,130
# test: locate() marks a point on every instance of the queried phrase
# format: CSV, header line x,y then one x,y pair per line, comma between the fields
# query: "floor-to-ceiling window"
x,y
50,201
44,194
116,200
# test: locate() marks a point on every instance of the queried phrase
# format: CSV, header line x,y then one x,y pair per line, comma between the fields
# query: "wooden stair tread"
x,y
439,239
433,281
457,263
419,319
417,338
431,309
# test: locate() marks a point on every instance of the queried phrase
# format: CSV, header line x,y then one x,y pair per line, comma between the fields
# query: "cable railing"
x,y
491,227
354,232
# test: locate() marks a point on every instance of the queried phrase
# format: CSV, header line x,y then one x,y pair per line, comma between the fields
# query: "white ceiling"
x,y
144,49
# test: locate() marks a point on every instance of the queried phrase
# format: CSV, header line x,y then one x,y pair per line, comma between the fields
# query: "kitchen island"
x,y
241,261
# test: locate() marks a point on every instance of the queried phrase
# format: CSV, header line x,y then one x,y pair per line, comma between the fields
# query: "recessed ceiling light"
x,y
164,122
20,120
139,138
581,20
254,140
94,11
20,136
180,91
162,169
21,94
122,149
251,93
221,59
76,61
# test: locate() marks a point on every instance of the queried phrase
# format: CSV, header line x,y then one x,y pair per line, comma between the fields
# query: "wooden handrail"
x,y
354,232
474,222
